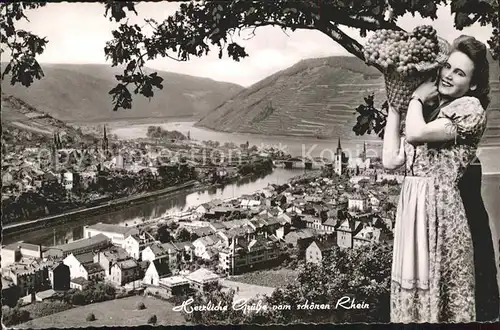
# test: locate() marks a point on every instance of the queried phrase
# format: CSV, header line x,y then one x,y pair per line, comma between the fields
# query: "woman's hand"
x,y
427,91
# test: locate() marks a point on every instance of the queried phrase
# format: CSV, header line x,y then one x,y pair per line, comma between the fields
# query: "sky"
x,y
77,33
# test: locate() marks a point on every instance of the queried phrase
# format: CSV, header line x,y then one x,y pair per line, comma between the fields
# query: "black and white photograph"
x,y
183,163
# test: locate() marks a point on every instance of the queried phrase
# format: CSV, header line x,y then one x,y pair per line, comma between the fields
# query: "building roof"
x,y
325,244
84,242
110,228
116,253
183,245
203,231
93,268
85,258
158,249
301,233
27,266
169,247
207,240
80,280
127,264
172,281
162,268
330,222
45,294
202,275
22,245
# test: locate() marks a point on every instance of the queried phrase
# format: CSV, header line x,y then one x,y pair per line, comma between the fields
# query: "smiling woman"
x,y
435,247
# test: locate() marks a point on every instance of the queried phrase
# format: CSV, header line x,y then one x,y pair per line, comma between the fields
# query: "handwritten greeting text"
x,y
244,305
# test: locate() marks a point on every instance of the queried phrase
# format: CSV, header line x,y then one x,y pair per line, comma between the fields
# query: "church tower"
x,y
339,159
105,140
55,152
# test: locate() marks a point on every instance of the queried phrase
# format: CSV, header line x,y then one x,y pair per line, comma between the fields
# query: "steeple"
x,y
105,140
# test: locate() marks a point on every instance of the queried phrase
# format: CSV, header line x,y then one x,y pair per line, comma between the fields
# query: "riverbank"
x,y
19,227
75,215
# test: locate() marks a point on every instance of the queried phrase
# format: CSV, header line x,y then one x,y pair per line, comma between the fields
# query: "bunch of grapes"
x,y
401,51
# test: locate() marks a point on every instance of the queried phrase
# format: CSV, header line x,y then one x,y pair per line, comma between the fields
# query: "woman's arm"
x,y
418,131
393,149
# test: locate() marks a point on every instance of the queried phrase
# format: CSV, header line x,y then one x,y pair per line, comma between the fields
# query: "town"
x,y
345,203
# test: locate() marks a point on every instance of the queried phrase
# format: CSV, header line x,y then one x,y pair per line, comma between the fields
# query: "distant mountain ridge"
x,y
316,98
79,93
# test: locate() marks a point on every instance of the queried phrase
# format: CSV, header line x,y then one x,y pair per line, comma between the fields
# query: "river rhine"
x,y
171,204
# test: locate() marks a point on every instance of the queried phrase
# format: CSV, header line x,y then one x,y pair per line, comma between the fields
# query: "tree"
x,y
361,273
197,26
183,235
163,234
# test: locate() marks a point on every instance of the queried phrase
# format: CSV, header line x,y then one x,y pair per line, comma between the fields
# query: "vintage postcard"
x,y
250,162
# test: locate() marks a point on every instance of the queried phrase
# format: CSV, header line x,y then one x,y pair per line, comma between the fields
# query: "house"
x,y
29,275
374,203
295,209
300,237
83,265
249,203
201,278
14,252
67,180
80,246
155,272
201,231
175,285
118,266
169,253
59,276
79,283
216,226
330,224
185,250
251,253
346,232
313,222
116,233
283,230
136,243
366,236
358,202
201,209
124,271
203,246
286,216
155,251
132,245
318,249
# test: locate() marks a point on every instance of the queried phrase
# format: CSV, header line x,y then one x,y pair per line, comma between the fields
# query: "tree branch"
x,y
364,22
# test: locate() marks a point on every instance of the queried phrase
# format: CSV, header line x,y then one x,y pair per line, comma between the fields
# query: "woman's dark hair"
x,y
477,52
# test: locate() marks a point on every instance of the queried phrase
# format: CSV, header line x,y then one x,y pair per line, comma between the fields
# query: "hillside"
x,y
24,125
315,97
79,93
